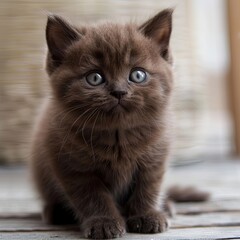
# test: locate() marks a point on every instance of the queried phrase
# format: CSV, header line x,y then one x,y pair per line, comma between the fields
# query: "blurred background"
x,y
206,49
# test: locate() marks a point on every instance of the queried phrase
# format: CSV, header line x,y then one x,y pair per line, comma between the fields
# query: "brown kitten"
x,y
101,144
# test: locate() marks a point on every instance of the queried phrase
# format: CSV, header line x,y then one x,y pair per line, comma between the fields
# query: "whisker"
x,y
70,110
89,117
92,134
68,133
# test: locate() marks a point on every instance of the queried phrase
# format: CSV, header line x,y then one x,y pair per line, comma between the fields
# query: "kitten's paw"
x,y
154,222
103,228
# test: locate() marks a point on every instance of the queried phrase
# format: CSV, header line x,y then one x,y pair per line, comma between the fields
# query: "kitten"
x,y
101,144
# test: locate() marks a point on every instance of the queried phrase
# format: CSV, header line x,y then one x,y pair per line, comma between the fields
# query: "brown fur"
x,y
187,194
98,160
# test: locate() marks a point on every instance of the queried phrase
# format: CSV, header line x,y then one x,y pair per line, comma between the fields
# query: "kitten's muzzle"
x,y
118,94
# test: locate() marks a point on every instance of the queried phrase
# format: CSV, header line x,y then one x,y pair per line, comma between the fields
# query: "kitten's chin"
x,y
116,109
119,108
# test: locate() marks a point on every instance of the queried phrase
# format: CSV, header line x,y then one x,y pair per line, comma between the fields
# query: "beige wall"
x,y
234,27
23,82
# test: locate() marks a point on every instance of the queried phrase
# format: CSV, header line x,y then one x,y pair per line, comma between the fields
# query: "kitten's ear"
x,y
159,29
59,35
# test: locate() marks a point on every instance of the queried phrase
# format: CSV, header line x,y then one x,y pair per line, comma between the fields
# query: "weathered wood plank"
x,y
30,225
20,209
220,179
180,221
173,234
207,220
19,206
209,206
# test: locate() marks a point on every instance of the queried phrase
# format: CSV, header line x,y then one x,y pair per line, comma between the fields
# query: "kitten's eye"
x,y
95,79
138,76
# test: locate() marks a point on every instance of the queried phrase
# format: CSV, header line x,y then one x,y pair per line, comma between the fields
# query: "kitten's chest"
x,y
115,155
119,178
121,145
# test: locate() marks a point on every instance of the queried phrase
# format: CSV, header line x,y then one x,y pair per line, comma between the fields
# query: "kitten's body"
x,y
99,157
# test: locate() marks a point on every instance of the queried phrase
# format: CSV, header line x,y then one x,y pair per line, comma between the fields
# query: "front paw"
x,y
103,228
154,222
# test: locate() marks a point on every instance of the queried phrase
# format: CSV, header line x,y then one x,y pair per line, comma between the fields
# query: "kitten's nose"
x,y
118,94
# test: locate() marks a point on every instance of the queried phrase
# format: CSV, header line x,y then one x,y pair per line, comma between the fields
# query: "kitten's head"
x,y
120,71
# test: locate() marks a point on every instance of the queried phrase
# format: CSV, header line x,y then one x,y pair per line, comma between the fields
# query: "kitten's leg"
x,y
169,208
142,207
94,206
55,210
58,214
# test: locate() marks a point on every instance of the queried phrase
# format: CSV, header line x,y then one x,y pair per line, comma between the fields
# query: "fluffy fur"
x,y
99,159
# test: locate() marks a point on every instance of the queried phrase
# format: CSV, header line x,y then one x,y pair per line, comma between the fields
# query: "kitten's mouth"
x,y
119,105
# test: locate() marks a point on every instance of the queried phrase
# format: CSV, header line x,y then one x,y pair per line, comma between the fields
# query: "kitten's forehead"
x,y
114,46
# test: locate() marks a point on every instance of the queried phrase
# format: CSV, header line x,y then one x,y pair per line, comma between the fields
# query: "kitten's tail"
x,y
182,194
186,194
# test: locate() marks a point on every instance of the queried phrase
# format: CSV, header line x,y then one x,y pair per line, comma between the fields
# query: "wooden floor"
x,y
218,218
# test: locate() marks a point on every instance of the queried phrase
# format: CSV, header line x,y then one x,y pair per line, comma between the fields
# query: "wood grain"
x,y
218,218
180,221
173,234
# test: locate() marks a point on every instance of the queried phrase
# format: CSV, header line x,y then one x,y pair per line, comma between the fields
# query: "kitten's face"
x,y
114,69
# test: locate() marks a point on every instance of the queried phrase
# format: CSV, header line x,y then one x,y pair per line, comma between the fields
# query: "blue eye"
x,y
138,76
95,79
